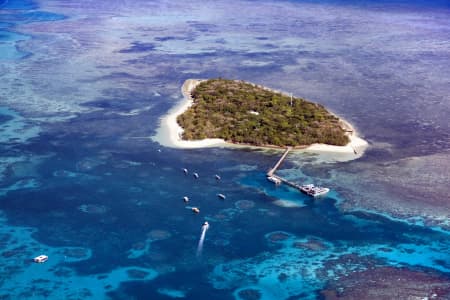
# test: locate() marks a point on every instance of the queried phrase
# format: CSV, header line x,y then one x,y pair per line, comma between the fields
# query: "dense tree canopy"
x,y
240,112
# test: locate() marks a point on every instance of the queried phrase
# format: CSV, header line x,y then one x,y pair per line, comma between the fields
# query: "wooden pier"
x,y
308,189
271,172
277,165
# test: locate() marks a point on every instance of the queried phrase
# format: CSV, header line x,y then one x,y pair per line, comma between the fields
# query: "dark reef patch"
x,y
384,282
138,47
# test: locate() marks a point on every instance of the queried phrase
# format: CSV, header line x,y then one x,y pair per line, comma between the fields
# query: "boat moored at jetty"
x,y
306,188
318,191
314,191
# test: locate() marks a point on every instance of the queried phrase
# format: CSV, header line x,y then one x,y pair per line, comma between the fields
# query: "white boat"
x,y
217,177
186,199
318,191
40,259
306,188
195,175
274,179
205,226
314,191
221,196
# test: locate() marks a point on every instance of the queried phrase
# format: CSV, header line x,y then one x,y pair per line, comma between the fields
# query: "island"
x,y
245,113
234,113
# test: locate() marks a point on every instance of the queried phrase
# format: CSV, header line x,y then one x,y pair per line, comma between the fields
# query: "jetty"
x,y
308,189
271,172
290,183
279,162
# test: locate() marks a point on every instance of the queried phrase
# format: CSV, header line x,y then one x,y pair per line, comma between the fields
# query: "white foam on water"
x,y
202,239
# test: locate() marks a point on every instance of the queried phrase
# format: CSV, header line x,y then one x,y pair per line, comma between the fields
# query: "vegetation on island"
x,y
241,112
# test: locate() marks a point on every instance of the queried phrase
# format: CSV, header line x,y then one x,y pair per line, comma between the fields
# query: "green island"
x,y
244,113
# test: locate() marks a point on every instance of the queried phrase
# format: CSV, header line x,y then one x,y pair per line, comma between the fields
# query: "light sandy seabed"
x,y
169,134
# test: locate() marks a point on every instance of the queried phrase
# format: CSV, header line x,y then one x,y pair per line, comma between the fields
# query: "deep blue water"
x,y
18,5
82,92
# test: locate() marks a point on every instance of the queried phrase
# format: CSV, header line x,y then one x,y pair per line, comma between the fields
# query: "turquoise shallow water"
x,y
15,13
83,86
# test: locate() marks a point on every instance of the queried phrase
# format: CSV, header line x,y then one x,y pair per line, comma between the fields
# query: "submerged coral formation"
x,y
384,282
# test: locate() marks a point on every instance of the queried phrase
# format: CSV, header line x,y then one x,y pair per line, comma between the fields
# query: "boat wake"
x,y
205,228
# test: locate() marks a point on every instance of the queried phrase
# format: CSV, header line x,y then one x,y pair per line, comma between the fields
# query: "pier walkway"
x,y
271,172
308,189
290,183
277,165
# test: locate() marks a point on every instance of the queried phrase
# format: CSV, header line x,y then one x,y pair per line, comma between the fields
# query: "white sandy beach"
x,y
169,133
355,147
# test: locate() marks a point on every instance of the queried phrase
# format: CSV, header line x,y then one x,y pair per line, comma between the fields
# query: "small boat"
x,y
217,177
195,175
196,210
185,171
40,259
186,199
205,225
306,188
274,179
221,196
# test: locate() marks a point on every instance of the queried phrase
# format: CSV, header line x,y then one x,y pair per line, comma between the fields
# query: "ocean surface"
x,y
83,85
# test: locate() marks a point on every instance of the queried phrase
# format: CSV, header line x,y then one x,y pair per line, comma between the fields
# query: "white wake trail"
x,y
202,239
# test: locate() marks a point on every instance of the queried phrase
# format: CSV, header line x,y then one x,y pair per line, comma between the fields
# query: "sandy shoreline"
x,y
169,133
